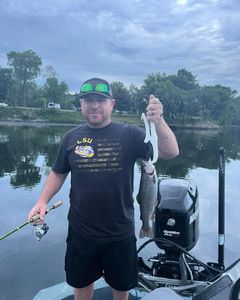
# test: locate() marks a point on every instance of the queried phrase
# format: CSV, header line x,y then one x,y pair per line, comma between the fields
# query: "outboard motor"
x,y
176,231
177,214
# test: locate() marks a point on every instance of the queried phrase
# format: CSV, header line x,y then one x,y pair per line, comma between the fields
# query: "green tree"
x,y
184,80
75,101
54,91
5,83
133,100
163,88
49,72
120,93
236,116
220,102
26,67
150,86
35,98
14,96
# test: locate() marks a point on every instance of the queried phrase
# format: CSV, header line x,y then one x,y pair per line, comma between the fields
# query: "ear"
x,y
113,103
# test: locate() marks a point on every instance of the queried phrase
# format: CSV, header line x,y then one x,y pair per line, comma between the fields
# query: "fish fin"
x,y
146,233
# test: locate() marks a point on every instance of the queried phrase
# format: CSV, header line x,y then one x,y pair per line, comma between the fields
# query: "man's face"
x,y
97,110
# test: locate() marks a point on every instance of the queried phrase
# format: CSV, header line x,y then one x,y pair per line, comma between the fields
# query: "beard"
x,y
97,120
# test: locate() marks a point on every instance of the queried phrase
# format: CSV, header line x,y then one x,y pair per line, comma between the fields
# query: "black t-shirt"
x,y
101,162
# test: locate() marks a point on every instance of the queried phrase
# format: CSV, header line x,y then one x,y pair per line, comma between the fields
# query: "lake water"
x,y
26,155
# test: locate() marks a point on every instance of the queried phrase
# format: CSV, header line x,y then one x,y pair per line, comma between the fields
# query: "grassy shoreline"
x,y
38,116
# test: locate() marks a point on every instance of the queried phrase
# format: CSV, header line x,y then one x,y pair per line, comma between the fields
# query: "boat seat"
x,y
162,293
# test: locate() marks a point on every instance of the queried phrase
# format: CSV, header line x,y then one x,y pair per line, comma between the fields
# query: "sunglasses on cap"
x,y
99,87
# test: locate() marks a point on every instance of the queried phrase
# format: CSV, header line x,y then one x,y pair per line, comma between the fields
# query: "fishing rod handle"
x,y
57,204
37,217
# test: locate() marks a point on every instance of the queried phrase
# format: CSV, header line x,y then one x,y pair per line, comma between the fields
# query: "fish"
x,y
147,198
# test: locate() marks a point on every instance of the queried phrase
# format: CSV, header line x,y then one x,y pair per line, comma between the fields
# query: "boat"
x,y
63,291
226,287
173,273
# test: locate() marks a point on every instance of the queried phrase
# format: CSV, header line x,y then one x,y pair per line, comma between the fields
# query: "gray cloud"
x,y
126,41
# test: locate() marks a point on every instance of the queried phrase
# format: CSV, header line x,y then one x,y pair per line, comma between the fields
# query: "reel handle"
x,y
34,218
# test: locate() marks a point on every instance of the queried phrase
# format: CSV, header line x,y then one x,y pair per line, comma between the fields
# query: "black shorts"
x,y
88,260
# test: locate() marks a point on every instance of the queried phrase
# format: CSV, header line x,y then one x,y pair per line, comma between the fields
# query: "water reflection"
x,y
200,149
21,146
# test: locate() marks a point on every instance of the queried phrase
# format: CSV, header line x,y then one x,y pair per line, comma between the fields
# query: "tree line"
x,y
182,96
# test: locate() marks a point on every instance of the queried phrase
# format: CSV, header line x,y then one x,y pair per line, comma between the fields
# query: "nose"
x,y
94,103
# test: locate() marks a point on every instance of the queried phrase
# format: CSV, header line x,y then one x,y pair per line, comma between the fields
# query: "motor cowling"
x,y
177,213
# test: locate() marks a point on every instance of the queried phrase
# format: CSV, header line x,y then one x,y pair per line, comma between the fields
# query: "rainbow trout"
x,y
147,198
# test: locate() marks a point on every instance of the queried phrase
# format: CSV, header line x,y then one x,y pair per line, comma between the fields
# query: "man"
x,y
100,156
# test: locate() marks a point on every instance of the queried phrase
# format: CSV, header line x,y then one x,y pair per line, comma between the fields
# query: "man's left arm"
x,y
167,143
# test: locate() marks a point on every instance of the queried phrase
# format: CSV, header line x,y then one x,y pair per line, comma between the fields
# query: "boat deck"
x,y
63,291
104,293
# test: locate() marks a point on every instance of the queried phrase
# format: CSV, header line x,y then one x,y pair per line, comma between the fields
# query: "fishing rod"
x,y
221,211
32,220
221,207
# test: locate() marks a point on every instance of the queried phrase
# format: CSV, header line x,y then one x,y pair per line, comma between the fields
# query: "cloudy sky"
x,y
126,40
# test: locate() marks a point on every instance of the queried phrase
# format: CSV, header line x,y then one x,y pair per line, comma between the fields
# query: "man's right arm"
x,y
52,185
